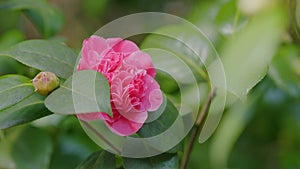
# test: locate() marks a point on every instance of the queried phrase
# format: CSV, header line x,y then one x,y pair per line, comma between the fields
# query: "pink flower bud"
x,y
45,82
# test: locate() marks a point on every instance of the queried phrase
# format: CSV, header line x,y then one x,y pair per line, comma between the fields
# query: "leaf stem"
x,y
196,129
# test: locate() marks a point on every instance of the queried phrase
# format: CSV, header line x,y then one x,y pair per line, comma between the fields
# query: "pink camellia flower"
x,y
130,74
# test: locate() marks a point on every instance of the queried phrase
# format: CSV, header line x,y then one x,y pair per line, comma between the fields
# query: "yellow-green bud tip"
x,y
45,82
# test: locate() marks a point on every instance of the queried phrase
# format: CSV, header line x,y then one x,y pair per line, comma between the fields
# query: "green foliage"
x,y
19,103
183,42
163,161
285,69
163,119
259,54
166,114
48,19
72,145
229,19
31,144
44,55
99,160
247,54
88,89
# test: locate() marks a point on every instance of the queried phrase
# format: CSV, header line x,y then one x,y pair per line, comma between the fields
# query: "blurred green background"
x,y
263,133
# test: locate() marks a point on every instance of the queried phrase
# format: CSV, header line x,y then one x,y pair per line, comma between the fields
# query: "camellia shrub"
x,y
147,89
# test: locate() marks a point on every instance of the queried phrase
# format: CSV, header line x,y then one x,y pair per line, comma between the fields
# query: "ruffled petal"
x,y
124,46
140,60
123,127
153,95
92,53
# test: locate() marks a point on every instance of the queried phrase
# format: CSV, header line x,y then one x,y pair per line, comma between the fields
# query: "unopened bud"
x,y
45,82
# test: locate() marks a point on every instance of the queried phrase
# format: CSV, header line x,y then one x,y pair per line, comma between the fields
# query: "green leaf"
x,y
163,161
13,89
285,70
185,44
230,129
27,110
49,20
167,114
86,91
44,55
19,102
99,160
229,19
31,149
246,55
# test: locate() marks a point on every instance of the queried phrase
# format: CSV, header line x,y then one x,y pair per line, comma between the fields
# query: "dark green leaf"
x,y
19,102
48,19
31,149
167,114
44,55
247,55
13,89
86,91
29,109
99,160
161,124
163,161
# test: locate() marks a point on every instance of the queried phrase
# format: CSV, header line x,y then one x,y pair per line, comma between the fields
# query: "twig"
x,y
196,129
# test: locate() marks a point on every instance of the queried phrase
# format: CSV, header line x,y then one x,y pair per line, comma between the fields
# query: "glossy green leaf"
x,y
48,19
246,55
19,102
166,114
13,89
29,109
31,149
99,160
163,161
86,91
44,55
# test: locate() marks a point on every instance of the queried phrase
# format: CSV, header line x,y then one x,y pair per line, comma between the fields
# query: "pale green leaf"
x,y
86,91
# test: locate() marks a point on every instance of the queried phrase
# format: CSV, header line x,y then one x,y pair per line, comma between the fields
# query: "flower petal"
x,y
124,46
140,60
124,127
92,53
153,96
